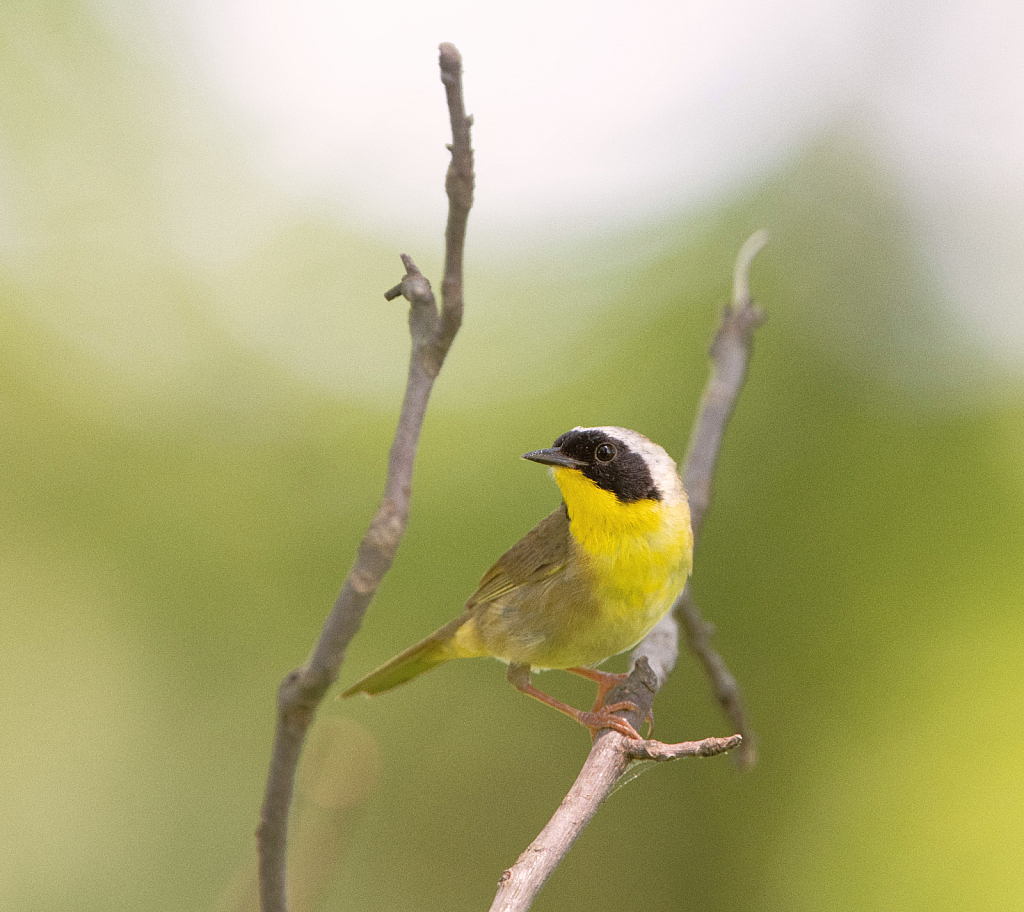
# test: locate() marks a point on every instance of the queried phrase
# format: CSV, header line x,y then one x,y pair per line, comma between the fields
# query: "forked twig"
x,y
432,334
730,355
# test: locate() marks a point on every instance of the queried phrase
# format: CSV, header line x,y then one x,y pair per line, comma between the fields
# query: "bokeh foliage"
x,y
178,507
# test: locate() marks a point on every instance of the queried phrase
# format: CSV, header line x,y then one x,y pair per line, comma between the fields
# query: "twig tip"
x,y
449,58
741,272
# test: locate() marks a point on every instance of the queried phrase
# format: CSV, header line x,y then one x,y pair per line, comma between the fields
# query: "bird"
x,y
586,583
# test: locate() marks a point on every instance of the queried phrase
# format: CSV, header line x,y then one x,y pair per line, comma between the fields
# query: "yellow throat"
x,y
656,531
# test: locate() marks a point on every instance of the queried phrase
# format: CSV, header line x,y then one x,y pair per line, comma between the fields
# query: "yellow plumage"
x,y
586,583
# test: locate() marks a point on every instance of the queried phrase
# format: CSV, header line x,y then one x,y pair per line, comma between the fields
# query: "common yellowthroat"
x,y
585,584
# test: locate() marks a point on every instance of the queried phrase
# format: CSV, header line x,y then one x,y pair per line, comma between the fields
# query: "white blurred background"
x,y
592,116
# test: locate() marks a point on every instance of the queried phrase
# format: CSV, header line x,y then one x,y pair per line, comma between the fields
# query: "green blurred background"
x,y
179,505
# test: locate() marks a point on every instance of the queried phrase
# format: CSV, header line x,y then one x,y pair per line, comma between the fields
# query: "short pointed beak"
x,y
553,456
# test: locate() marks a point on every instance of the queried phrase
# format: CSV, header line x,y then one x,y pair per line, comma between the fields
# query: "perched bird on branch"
x,y
586,583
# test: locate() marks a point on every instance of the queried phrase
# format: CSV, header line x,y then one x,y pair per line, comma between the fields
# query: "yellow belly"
x,y
629,601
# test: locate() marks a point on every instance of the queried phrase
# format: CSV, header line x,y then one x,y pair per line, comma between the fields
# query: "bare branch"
x,y
730,355
611,758
459,186
520,884
432,333
653,660
656,750
724,684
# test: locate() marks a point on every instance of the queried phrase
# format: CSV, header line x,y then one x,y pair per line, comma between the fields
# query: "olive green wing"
x,y
541,553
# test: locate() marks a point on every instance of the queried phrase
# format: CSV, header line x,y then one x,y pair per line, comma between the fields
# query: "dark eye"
x,y
604,453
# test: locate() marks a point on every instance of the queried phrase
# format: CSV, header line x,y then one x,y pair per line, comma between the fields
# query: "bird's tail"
x,y
426,654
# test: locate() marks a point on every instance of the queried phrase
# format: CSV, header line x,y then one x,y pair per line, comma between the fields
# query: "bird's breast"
x,y
618,580
634,578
